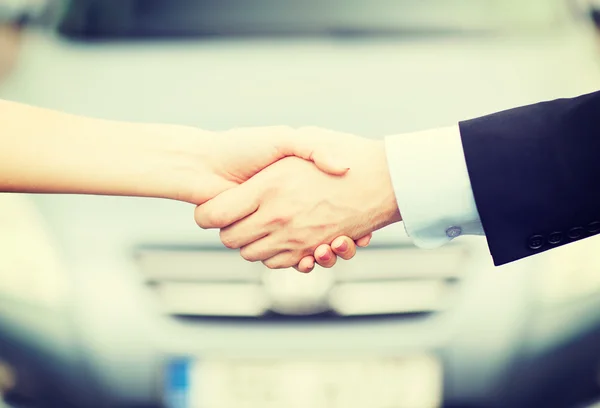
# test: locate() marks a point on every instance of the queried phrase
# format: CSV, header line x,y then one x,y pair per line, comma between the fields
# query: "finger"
x,y
228,207
247,231
281,261
310,148
324,256
306,264
344,247
260,250
364,241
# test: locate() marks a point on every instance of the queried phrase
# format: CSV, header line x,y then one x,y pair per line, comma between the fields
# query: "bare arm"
x,y
43,151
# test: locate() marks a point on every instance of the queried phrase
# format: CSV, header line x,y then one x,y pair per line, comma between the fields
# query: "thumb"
x,y
321,154
328,162
228,207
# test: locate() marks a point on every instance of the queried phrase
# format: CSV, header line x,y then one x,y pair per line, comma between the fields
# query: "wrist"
x,y
385,211
178,160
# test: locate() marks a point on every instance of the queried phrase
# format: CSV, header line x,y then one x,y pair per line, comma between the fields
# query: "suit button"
x,y
594,227
576,233
555,238
536,242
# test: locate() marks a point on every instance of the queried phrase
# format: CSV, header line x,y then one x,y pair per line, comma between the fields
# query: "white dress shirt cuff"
x,y
432,186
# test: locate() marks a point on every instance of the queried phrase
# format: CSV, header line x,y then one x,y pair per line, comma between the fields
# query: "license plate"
x,y
384,382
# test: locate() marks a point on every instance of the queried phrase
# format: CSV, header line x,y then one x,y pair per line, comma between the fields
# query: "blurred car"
x,y
119,302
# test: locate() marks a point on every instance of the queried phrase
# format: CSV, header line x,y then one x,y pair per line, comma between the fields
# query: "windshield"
x,y
101,19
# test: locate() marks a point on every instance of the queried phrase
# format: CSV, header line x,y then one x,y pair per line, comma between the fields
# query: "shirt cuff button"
x,y
453,232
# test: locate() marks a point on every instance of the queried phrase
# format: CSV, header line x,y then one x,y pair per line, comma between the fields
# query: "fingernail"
x,y
343,246
324,255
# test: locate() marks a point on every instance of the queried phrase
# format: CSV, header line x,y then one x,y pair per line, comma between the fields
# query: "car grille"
x,y
379,281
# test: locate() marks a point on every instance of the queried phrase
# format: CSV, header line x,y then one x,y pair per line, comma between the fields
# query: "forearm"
x,y
43,151
534,172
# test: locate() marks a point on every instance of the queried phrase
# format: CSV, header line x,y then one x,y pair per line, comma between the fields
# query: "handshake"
x,y
293,197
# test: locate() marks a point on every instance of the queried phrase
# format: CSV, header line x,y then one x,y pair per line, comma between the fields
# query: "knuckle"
x,y
249,255
273,264
291,263
228,240
280,217
269,264
228,244
302,239
308,236
202,218
280,220
200,222
209,219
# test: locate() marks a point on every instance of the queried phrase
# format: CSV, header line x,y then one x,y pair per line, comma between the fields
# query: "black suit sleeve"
x,y
535,174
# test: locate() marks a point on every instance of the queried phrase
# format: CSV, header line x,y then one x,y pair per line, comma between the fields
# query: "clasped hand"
x,y
294,211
